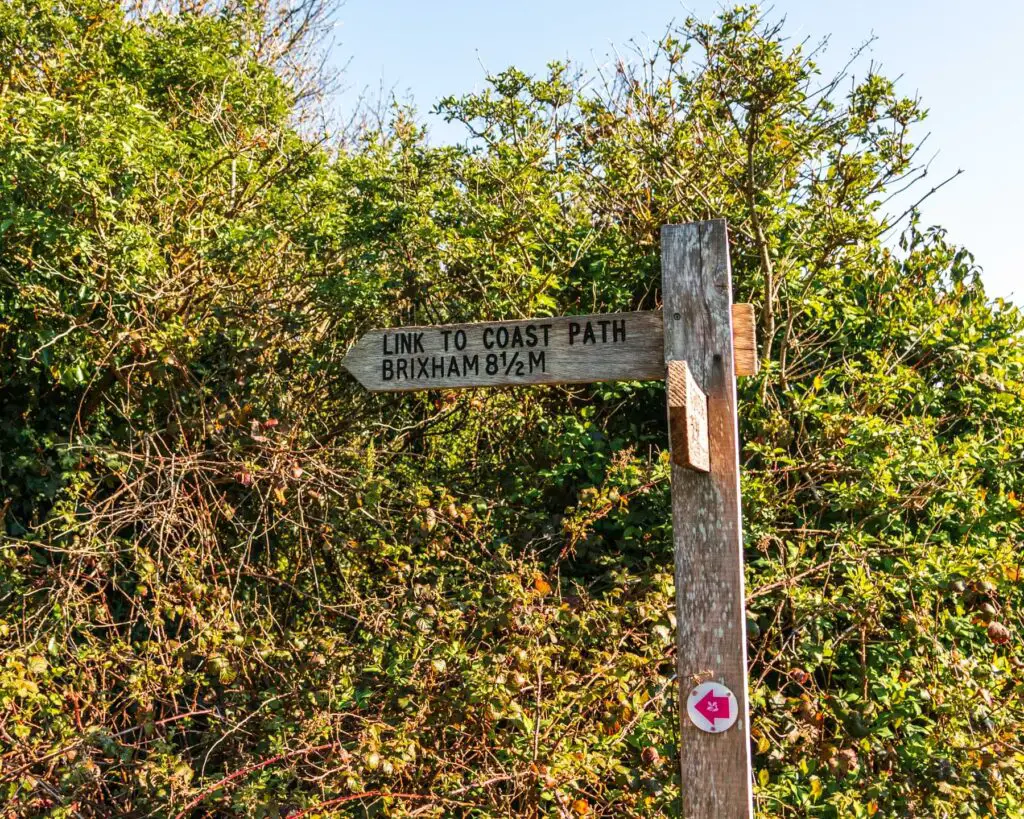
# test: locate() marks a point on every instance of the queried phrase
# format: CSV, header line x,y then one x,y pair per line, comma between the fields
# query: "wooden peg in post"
x,y
687,419
744,340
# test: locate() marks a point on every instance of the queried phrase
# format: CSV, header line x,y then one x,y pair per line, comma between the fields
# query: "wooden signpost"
x,y
706,527
699,342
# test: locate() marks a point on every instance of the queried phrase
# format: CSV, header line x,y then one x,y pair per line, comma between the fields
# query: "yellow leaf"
x,y
279,494
580,807
540,584
763,745
816,788
872,807
762,777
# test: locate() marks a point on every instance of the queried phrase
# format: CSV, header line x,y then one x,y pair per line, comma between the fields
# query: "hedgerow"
x,y
234,584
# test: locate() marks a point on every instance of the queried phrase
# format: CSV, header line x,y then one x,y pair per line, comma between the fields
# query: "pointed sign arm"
x,y
555,350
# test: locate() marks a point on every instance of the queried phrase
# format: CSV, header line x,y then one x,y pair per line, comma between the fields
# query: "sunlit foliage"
x,y
234,584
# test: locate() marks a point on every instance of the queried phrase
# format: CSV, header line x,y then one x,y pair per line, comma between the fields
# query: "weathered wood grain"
x,y
744,339
562,350
710,635
688,419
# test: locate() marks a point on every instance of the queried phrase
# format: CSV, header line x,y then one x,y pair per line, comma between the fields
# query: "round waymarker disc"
x,y
712,707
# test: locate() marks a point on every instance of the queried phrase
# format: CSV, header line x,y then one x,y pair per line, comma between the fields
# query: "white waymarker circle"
x,y
712,707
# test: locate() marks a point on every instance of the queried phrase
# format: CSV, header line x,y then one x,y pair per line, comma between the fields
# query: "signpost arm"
x,y
706,522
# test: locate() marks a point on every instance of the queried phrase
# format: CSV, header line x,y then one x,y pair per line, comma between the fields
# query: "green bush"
x,y
234,584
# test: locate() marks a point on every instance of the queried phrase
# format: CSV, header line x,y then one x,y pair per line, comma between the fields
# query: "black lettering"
x,y
531,336
471,364
502,337
402,368
418,343
422,372
387,369
545,328
574,330
488,337
386,350
492,363
453,367
460,340
604,330
437,366
517,337
588,334
619,330
444,335
537,361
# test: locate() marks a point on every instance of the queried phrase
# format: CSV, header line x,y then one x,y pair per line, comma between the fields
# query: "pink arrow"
x,y
711,708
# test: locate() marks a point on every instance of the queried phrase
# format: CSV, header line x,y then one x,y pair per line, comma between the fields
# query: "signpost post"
x,y
710,617
699,342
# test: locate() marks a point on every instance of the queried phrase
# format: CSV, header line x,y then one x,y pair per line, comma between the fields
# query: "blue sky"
x,y
966,62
